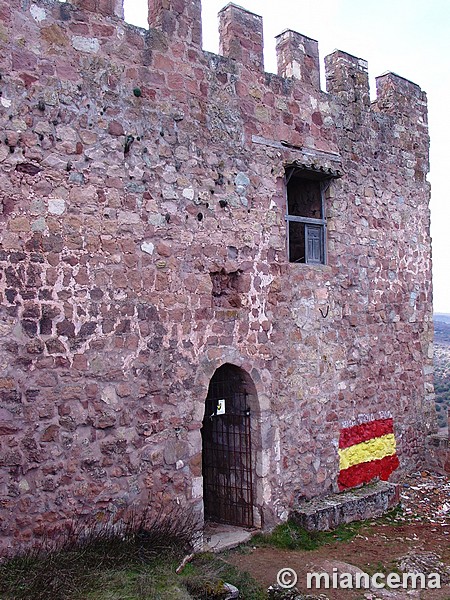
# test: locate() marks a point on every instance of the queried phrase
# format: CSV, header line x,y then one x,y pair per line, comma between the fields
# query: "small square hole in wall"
x,y
226,289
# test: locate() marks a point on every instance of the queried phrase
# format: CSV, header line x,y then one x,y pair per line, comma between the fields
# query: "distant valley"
x,y
442,366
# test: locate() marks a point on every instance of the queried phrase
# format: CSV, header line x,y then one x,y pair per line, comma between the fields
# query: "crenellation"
x,y
347,77
399,96
241,36
298,57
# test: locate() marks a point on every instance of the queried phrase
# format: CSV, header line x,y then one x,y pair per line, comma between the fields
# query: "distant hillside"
x,y
442,366
441,332
441,317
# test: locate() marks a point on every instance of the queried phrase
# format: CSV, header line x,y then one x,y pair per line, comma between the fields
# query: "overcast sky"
x,y
408,37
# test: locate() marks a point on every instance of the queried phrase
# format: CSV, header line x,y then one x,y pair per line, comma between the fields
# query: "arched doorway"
x,y
227,457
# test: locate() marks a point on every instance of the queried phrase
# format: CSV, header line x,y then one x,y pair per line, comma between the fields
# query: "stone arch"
x,y
262,443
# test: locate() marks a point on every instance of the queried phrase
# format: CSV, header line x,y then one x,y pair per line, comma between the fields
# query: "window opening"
x,y
306,220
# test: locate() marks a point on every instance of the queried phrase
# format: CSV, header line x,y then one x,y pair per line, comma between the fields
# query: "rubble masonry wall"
x,y
133,165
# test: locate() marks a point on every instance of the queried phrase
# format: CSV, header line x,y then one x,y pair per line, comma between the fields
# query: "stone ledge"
x,y
218,537
367,502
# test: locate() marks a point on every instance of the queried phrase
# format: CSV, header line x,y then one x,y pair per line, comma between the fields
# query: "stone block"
x,y
327,513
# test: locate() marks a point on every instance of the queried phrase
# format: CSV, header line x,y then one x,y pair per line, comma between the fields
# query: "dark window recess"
x,y
226,291
306,222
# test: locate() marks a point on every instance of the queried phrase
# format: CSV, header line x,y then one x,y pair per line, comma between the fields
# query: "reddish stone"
x,y
55,346
79,28
50,434
28,79
115,128
22,59
80,362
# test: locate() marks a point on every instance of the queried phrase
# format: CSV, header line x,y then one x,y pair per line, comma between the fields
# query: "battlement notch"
x,y
298,57
241,36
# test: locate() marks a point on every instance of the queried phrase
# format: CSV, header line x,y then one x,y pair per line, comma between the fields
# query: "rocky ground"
x,y
418,539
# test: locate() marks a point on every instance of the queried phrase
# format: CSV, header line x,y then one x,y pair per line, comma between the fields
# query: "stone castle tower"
x,y
215,283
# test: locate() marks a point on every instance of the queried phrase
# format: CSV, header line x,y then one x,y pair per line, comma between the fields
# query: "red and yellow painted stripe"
x,y
367,451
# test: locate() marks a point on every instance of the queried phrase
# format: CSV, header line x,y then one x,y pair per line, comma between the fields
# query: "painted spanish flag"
x,y
367,451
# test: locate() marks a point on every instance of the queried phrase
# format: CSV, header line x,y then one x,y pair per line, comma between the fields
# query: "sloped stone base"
x,y
367,502
438,453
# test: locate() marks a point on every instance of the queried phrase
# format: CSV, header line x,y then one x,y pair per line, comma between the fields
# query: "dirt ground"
x,y
419,541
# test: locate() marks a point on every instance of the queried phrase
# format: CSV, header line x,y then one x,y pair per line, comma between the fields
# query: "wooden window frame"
x,y
321,223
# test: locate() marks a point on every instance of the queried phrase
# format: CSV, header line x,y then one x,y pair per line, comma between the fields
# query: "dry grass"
x,y
74,562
